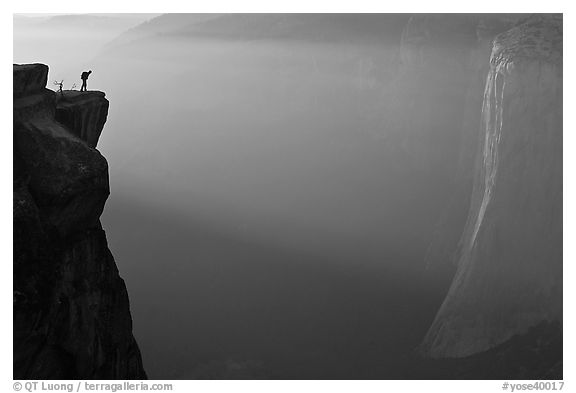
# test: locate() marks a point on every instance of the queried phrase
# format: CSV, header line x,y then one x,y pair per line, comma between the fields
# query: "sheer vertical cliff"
x,y
471,57
71,309
509,274
434,109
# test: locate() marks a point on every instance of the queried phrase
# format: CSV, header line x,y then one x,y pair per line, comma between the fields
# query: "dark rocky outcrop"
x,y
29,79
83,113
509,274
71,308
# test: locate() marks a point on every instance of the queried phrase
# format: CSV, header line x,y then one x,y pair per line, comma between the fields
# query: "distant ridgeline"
x,y
71,310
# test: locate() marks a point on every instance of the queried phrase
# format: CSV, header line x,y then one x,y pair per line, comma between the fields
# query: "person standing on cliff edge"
x,y
84,78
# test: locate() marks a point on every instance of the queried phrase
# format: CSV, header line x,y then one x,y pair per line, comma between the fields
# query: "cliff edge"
x,y
509,274
71,310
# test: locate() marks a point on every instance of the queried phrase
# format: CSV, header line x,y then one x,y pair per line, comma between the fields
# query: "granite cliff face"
x,y
433,110
71,308
509,274
465,43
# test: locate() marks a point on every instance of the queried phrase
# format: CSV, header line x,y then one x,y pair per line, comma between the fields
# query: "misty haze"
x,y
327,196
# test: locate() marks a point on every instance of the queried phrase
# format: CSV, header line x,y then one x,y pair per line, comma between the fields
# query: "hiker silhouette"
x,y
84,78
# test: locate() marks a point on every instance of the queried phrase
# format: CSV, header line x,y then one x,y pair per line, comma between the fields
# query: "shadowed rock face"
x,y
509,276
83,113
29,79
71,308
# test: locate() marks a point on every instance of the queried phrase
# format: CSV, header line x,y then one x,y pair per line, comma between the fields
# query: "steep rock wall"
x,y
437,110
83,113
71,308
509,276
